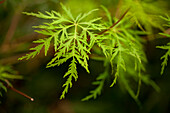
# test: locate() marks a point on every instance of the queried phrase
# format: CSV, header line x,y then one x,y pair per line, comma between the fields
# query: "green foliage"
x,y
7,73
74,38
123,47
100,80
165,56
165,47
145,14
71,41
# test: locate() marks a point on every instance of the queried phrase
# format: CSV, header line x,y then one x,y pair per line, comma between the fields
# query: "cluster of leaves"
x,y
74,38
123,48
7,73
165,47
145,13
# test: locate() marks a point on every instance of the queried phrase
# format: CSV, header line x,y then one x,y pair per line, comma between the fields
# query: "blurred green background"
x,y
45,85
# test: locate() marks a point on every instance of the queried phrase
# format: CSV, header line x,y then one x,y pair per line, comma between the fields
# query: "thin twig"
x,y
21,93
17,91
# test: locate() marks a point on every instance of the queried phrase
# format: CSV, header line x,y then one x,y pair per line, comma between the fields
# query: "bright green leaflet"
x,y
70,39
100,80
165,47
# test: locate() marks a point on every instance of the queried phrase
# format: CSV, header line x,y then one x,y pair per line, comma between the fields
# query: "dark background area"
x,y
45,85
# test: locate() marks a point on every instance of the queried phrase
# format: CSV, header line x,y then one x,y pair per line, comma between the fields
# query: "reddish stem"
x,y
21,93
17,91
115,23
